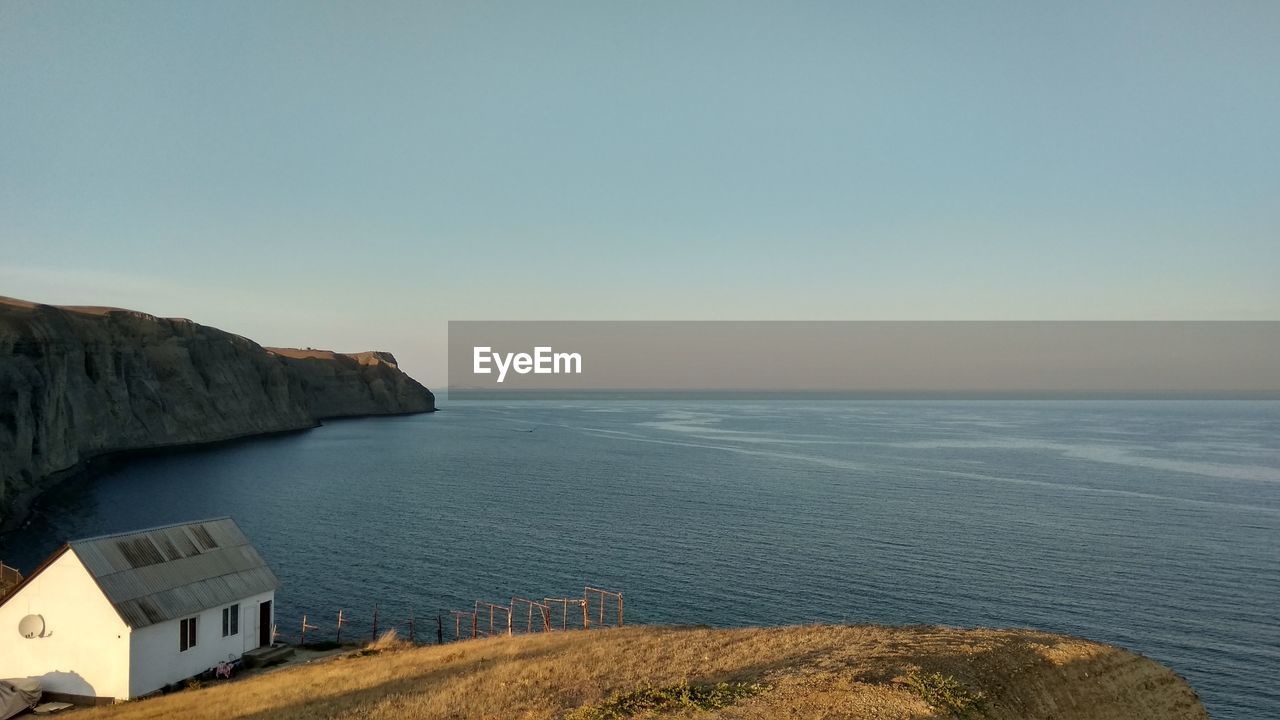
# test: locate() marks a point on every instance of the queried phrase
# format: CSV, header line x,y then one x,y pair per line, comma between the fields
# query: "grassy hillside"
x,y
794,672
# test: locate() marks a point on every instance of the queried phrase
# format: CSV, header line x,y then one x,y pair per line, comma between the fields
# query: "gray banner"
x,y
576,359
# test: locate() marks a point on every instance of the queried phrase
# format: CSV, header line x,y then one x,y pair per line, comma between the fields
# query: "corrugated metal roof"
x,y
170,572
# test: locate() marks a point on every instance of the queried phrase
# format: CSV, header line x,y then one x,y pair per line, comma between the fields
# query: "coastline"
x,y
92,386
23,506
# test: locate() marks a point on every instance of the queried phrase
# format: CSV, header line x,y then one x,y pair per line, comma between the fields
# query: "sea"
x,y
1153,525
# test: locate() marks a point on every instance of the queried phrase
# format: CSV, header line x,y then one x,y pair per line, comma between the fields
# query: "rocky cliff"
x,y
346,385
77,383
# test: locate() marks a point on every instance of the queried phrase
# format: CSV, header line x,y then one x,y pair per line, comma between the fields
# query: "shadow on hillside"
x,y
1015,670
344,703
885,653
1012,669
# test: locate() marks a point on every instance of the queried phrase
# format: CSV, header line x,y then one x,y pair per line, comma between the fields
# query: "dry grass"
x,y
389,640
301,354
810,672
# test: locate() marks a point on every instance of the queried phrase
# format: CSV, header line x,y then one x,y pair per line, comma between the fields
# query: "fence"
x,y
596,608
488,619
543,622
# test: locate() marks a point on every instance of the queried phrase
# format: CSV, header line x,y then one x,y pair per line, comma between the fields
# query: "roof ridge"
x,y
166,571
142,531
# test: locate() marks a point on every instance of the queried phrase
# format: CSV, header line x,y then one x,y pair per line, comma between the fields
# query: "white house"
x,y
120,616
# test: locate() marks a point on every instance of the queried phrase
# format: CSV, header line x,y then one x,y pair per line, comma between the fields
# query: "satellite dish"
x,y
31,626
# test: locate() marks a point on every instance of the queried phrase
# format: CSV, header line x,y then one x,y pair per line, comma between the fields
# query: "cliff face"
x,y
344,385
80,382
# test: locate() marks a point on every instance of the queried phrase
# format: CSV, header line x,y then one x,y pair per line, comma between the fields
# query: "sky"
x,y
354,175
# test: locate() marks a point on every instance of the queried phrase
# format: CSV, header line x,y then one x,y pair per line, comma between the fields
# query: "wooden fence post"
x,y
305,628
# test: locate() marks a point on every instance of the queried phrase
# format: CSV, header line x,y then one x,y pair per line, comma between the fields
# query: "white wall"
x,y
86,648
156,661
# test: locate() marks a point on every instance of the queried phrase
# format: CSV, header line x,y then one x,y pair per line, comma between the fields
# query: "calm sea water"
x,y
1153,525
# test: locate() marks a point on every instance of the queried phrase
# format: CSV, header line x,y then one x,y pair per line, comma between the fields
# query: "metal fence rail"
x,y
595,608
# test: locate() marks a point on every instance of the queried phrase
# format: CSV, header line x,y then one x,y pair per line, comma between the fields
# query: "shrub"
x,y
667,698
389,640
944,692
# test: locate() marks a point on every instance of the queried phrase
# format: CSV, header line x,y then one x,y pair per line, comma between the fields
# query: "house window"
x,y
187,628
231,620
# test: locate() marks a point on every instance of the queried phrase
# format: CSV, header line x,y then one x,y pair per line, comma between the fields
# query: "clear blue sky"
x,y
353,175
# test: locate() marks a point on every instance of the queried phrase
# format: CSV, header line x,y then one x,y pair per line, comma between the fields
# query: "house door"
x,y
264,624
